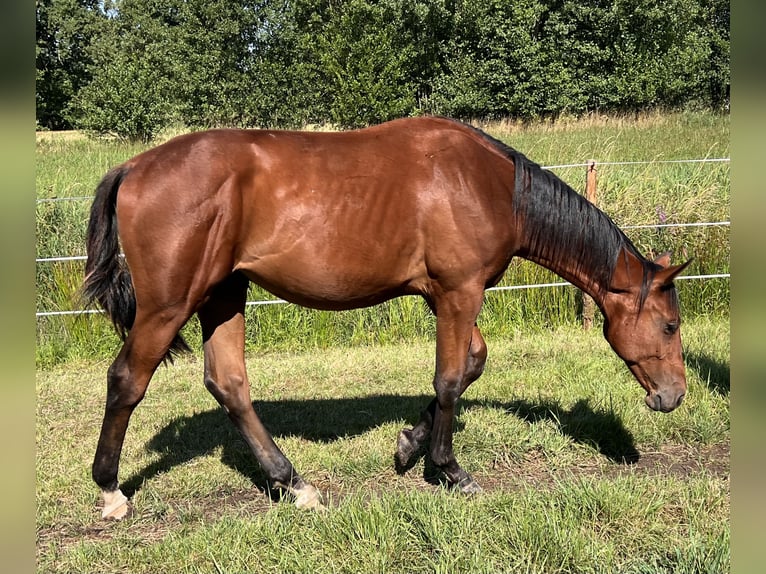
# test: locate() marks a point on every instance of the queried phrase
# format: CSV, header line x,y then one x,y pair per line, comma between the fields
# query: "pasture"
x,y
579,475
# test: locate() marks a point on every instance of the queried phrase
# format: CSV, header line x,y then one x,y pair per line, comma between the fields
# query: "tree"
x,y
214,42
133,67
533,58
157,62
64,29
132,90
284,85
367,64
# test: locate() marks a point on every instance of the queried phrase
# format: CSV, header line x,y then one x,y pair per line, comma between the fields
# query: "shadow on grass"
x,y
326,420
602,430
714,373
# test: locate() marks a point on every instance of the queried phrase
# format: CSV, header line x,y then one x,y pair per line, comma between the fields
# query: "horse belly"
x,y
340,279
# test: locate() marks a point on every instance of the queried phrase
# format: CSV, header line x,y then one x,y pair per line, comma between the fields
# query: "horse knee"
x,y
448,388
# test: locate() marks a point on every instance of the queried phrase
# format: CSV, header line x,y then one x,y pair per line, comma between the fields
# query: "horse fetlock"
x,y
467,485
116,505
461,480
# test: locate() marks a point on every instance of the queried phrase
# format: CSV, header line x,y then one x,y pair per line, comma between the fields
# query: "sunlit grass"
x,y
546,430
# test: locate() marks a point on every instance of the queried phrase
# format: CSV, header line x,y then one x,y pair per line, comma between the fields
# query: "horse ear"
x,y
663,260
666,276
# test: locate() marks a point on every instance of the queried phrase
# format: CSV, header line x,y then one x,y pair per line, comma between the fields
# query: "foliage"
x,y
537,58
134,67
366,65
64,30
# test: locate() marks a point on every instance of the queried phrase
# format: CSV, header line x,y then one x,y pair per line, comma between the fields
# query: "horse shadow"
x,y
714,373
326,420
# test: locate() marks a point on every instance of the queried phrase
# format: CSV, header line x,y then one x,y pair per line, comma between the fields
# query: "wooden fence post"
x,y
588,306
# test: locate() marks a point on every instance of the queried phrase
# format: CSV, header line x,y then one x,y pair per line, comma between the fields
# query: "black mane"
x,y
559,224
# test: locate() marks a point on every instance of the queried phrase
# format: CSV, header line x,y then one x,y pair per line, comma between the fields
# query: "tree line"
x,y
135,67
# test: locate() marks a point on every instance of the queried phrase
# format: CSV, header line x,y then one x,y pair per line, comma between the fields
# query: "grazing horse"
x,y
421,206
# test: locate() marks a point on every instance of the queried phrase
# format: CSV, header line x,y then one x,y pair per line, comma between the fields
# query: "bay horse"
x,y
420,206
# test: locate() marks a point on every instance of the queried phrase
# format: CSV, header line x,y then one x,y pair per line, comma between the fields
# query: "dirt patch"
x,y
684,460
679,461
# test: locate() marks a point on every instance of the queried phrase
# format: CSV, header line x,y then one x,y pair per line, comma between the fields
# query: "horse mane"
x,y
558,224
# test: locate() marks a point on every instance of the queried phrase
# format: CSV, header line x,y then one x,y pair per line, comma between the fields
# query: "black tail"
x,y
107,277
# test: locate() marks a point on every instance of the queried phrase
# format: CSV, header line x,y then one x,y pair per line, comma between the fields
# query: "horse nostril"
x,y
680,399
657,402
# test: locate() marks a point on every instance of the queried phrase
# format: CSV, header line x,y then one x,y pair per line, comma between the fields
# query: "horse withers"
x,y
420,206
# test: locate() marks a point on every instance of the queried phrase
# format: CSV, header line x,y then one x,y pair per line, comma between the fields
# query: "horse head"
x,y
642,324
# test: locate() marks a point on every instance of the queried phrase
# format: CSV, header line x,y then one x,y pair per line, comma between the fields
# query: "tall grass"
x,y
630,194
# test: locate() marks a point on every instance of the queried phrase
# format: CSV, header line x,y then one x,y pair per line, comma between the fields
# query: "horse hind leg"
x,y
128,377
223,333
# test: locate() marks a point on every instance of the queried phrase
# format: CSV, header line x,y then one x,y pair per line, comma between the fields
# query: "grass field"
x,y
579,475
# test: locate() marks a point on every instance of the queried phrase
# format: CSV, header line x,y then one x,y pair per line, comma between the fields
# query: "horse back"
x,y
330,220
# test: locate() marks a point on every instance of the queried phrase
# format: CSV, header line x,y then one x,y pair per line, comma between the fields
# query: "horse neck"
x,y
565,233
573,274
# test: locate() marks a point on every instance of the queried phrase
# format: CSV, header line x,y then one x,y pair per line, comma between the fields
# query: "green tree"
x,y
284,85
532,58
660,53
132,93
367,64
132,67
156,62
716,15
494,61
213,43
64,29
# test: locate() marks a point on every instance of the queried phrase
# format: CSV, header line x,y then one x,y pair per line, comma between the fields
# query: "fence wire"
x,y
652,226
505,288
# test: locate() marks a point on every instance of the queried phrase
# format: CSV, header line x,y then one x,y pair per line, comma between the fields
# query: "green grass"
x,y
579,475
632,195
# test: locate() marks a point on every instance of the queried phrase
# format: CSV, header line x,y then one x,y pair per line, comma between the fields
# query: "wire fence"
x,y
503,288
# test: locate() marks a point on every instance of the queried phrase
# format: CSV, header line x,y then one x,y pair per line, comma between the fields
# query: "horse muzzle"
x,y
664,401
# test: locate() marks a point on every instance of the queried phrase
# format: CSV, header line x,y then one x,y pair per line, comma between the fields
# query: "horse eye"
x,y
671,328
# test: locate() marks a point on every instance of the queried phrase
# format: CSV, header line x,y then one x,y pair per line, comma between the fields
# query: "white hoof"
x,y
308,497
116,505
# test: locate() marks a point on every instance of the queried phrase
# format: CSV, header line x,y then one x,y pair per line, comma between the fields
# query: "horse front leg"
x,y
460,357
411,441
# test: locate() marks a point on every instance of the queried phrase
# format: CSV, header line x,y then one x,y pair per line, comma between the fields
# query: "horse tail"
x,y
107,276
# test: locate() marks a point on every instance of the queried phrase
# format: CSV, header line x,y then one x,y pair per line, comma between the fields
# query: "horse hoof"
x,y
405,448
116,506
308,498
469,486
